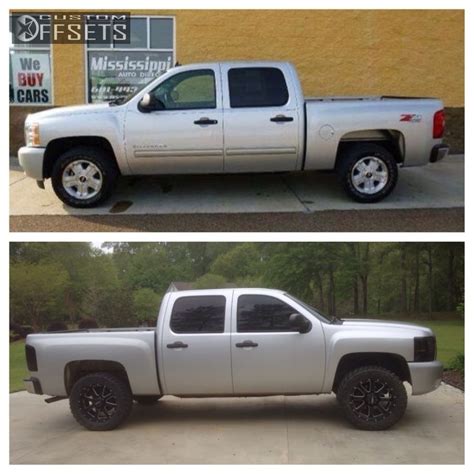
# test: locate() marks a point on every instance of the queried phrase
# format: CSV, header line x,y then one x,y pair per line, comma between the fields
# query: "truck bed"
x,y
363,98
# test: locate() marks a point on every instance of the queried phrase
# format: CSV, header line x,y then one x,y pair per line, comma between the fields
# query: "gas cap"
x,y
326,132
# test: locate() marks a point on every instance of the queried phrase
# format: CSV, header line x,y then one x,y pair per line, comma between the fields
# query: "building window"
x,y
30,74
116,71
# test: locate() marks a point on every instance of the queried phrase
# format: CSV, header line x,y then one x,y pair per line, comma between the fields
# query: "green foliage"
x,y
209,281
242,260
457,363
37,292
146,304
70,281
460,309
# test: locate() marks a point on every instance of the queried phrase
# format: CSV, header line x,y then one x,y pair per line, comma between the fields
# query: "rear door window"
x,y
257,87
198,314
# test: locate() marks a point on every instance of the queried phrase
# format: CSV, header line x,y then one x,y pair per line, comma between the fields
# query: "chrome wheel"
x,y
98,403
372,399
369,175
82,179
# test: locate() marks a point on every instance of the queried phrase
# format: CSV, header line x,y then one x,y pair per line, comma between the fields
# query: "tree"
x,y
37,293
241,260
209,281
146,304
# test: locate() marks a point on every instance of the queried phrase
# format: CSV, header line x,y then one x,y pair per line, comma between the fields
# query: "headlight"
x,y
32,137
425,349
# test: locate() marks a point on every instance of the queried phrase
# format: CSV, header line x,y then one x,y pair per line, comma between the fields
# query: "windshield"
x,y
313,311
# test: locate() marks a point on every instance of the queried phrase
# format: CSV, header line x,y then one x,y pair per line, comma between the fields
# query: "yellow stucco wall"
x,y
337,52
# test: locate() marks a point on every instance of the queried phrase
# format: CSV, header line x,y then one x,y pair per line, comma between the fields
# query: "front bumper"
x,y
438,153
425,376
33,385
31,160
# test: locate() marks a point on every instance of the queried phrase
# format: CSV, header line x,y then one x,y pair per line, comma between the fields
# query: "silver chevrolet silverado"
x,y
231,117
236,342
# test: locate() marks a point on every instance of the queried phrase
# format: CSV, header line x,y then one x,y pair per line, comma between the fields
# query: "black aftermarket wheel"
x,y
100,401
84,176
369,172
372,398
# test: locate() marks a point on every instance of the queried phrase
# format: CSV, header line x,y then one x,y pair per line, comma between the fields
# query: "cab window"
x,y
259,313
198,314
188,90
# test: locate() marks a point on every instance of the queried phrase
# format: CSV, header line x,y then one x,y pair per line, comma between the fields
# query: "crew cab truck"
x,y
231,117
236,342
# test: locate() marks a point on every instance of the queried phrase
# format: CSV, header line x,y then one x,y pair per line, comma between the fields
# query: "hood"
x,y
72,110
382,324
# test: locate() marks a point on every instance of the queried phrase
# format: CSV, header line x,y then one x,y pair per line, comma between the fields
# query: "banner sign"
x,y
116,74
30,81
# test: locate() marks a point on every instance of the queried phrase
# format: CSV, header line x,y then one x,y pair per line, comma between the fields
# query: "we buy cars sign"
x,y
31,78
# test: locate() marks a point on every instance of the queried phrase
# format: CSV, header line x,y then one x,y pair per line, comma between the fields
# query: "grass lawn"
x,y
18,370
449,338
449,334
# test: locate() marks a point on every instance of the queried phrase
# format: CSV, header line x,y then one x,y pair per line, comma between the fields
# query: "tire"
x,y
146,399
111,395
379,163
383,406
86,158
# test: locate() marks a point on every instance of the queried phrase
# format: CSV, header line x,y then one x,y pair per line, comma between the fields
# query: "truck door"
x,y
195,344
268,354
261,122
186,135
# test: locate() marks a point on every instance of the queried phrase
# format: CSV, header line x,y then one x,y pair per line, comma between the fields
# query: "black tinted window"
x,y
257,313
257,87
194,314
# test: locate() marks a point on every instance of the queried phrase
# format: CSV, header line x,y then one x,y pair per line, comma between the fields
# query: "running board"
x,y
54,399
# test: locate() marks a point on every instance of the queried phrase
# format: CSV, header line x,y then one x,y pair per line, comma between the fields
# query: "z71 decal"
x,y
414,118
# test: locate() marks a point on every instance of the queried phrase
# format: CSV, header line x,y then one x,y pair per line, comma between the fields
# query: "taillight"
x,y
438,124
31,358
425,349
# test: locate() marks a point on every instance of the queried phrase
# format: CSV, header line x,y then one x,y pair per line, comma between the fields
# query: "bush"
x,y
14,336
20,331
457,363
57,326
87,323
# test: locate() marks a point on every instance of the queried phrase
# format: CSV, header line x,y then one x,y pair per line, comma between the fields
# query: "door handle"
x,y
281,118
177,345
205,121
246,344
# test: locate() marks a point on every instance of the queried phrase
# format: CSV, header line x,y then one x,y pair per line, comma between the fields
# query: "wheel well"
x,y
76,369
56,148
393,362
392,140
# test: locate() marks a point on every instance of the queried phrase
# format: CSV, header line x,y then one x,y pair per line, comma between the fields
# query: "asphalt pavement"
x,y
266,430
429,198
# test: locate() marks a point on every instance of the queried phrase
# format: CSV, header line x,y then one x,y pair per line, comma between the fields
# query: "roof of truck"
x,y
252,290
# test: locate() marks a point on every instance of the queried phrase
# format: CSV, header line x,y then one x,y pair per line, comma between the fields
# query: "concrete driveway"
x,y
269,430
439,185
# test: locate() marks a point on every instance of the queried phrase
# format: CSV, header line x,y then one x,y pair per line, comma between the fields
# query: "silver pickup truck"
x,y
231,117
236,342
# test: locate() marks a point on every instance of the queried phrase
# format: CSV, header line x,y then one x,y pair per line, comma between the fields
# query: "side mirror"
x,y
145,100
149,103
299,323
